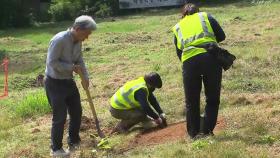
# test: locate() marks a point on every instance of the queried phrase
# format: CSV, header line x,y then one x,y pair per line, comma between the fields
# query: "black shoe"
x,y
198,136
209,134
60,153
73,146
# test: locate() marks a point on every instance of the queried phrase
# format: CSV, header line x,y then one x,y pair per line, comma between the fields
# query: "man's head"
x,y
153,80
82,27
189,9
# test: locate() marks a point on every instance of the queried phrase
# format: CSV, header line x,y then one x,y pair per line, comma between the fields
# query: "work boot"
x,y
149,124
120,128
198,136
60,153
202,135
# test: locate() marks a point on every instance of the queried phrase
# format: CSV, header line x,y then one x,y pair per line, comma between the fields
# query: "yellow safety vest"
x,y
124,99
191,31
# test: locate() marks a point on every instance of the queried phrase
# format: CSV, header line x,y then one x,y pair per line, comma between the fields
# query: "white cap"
x,y
85,22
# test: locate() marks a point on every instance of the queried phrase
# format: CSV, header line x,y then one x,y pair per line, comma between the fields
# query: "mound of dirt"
x,y
87,123
173,132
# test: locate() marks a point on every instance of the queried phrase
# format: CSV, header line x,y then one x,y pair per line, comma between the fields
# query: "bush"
x,y
70,9
65,9
103,11
104,8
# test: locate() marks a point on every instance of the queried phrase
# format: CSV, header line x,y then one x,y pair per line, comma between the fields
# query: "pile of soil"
x,y
173,132
87,123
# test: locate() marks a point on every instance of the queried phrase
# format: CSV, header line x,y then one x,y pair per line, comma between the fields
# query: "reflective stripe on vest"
x,y
205,36
125,96
121,99
180,36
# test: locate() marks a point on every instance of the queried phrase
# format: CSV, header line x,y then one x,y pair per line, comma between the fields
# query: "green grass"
x,y
131,46
33,104
23,105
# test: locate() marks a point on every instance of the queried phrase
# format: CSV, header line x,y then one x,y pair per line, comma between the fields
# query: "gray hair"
x,y
85,22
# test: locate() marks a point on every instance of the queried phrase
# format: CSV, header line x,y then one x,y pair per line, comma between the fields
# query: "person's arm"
x,y
83,66
141,96
54,53
155,103
178,51
83,70
218,31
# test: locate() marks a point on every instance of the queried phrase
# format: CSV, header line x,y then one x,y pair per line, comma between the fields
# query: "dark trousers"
x,y
63,96
202,68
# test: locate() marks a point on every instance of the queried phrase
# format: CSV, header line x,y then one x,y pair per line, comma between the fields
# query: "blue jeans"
x,y
63,96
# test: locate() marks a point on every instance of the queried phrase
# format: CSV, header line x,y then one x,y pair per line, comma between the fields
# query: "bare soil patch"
x,y
175,131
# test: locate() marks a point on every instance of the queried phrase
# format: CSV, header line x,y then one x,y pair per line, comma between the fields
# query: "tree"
x,y
14,13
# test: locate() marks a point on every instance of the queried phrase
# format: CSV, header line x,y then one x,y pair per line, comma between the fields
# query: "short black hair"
x,y
153,79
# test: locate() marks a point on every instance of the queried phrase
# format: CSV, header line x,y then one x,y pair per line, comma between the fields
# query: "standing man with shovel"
x,y
65,57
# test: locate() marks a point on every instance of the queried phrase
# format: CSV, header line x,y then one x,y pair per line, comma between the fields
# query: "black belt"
x,y
59,80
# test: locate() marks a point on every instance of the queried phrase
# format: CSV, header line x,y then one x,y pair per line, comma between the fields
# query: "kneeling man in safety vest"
x,y
131,104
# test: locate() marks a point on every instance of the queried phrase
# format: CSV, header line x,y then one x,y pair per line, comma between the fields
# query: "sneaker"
x,y
202,135
59,153
73,147
210,134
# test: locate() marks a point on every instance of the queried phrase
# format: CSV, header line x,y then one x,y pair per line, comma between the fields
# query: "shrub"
x,y
69,9
65,9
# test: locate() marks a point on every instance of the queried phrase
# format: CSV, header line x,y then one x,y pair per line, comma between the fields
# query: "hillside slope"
x,y
130,46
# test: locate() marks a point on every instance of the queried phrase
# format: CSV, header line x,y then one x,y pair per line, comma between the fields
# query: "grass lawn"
x,y
130,46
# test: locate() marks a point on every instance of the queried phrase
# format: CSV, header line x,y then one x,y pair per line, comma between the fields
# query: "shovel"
x,y
99,132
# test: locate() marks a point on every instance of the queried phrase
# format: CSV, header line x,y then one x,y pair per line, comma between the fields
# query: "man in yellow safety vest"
x,y
131,104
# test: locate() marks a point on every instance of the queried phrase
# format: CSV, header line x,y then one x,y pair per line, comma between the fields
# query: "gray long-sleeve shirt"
x,y
63,54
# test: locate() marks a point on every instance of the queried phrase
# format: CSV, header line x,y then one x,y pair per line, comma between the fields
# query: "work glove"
x,y
163,118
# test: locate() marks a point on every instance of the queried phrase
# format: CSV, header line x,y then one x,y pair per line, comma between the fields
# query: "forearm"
x,y
84,69
148,111
218,31
155,103
178,51
141,97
